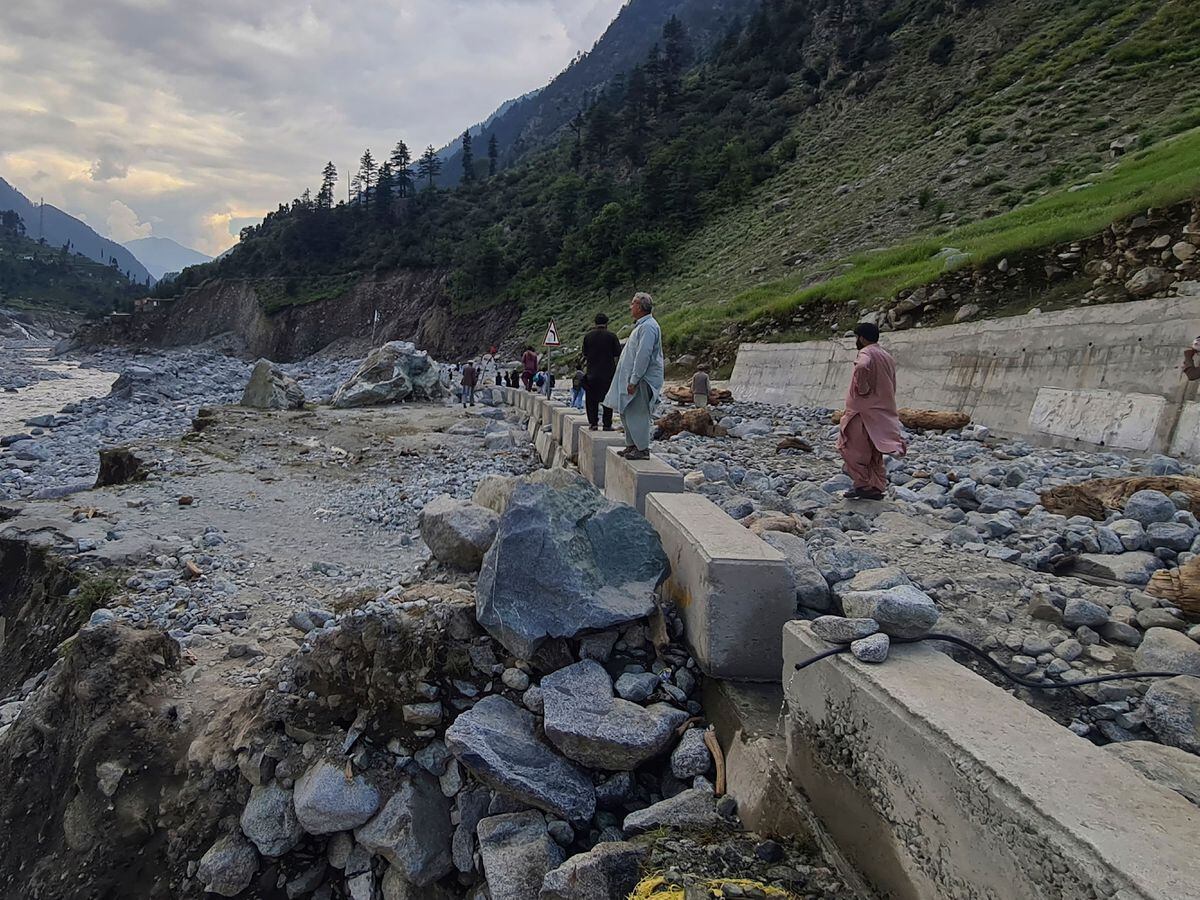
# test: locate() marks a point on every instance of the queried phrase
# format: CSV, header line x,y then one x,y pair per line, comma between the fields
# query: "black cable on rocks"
x,y
999,667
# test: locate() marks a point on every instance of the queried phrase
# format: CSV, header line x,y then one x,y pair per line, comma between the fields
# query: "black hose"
x,y
999,667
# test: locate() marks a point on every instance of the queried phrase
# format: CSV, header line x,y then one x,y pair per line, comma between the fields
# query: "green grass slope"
x,y
984,151
35,276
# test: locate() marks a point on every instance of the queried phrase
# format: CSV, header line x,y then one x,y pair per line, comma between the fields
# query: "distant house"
x,y
152,304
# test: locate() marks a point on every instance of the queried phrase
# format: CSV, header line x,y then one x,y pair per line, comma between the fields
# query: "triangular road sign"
x,y
551,336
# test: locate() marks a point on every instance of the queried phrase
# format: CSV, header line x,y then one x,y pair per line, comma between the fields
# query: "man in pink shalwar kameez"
x,y
870,426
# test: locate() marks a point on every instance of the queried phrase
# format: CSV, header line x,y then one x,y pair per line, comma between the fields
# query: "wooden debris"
x,y
1180,586
923,419
193,570
697,421
682,393
793,443
1094,498
714,747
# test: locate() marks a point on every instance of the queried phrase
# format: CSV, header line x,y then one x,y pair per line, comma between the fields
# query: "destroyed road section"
x,y
1055,596
277,692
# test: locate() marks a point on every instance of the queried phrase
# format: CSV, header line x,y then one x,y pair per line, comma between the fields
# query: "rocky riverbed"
x,y
1054,597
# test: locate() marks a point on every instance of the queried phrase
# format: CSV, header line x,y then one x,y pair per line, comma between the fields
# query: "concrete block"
x,y
570,440
733,589
593,445
936,783
630,482
1108,418
558,418
548,450
1186,440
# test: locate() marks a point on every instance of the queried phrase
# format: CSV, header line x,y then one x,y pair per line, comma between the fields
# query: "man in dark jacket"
x,y
470,378
601,349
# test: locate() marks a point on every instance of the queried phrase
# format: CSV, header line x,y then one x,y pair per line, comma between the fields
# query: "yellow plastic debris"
x,y
655,887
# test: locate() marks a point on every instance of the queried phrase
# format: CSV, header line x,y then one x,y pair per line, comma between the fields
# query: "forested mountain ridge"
x,y
35,275
528,124
730,188
58,228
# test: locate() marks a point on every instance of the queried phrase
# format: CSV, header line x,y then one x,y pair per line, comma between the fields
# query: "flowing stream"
x,y
50,395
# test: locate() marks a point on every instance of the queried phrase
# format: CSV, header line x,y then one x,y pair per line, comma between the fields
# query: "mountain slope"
x,y
772,175
59,228
162,255
532,122
36,276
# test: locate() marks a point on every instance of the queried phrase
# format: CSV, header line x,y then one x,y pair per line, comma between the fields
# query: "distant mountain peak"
x,y
162,255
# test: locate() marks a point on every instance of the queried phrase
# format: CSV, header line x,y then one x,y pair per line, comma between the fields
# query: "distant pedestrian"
x,y
547,382
577,389
870,425
529,363
470,377
499,379
601,349
700,389
638,382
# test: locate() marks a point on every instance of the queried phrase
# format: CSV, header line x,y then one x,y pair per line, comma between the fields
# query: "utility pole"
x,y
41,218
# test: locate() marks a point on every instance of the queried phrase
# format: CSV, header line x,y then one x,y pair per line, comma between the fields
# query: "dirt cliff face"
x,y
411,305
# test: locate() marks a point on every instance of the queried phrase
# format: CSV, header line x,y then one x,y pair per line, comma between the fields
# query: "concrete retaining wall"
x,y
1104,376
937,784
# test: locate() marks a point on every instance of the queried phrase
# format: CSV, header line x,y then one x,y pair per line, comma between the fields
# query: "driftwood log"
x,y
697,421
1180,586
682,393
924,419
793,443
1096,497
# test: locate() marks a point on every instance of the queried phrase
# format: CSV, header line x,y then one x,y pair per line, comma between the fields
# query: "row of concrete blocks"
x,y
733,590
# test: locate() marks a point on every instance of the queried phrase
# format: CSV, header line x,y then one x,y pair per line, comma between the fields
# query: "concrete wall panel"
x,y
994,369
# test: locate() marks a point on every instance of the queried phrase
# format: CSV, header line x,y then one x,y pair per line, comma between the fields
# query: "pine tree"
x,y
429,166
366,173
385,191
493,156
468,158
328,182
402,169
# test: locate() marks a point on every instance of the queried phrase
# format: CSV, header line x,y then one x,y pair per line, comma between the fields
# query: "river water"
x,y
51,395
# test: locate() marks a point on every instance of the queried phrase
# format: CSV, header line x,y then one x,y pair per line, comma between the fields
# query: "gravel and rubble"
x,y
1052,597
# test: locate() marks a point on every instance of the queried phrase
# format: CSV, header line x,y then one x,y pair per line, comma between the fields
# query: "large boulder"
x,y
517,853
413,831
396,371
228,866
566,562
327,801
812,591
499,742
272,388
269,820
611,869
902,611
1167,650
1149,507
589,725
458,532
1172,709
694,808
1134,567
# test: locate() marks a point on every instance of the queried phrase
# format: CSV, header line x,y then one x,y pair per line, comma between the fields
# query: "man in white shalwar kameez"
x,y
638,384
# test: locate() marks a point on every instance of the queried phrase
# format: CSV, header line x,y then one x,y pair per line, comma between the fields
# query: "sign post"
x,y
550,342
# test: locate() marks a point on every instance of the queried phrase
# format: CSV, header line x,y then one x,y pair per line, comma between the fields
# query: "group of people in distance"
x,y
629,380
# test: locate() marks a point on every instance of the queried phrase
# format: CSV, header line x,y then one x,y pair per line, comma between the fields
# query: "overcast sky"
x,y
189,119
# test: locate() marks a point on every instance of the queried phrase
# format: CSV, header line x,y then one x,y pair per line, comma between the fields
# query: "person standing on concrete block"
x,y
601,350
700,389
638,382
529,364
870,425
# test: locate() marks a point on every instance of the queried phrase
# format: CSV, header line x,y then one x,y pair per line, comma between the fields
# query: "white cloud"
x,y
199,114
124,225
